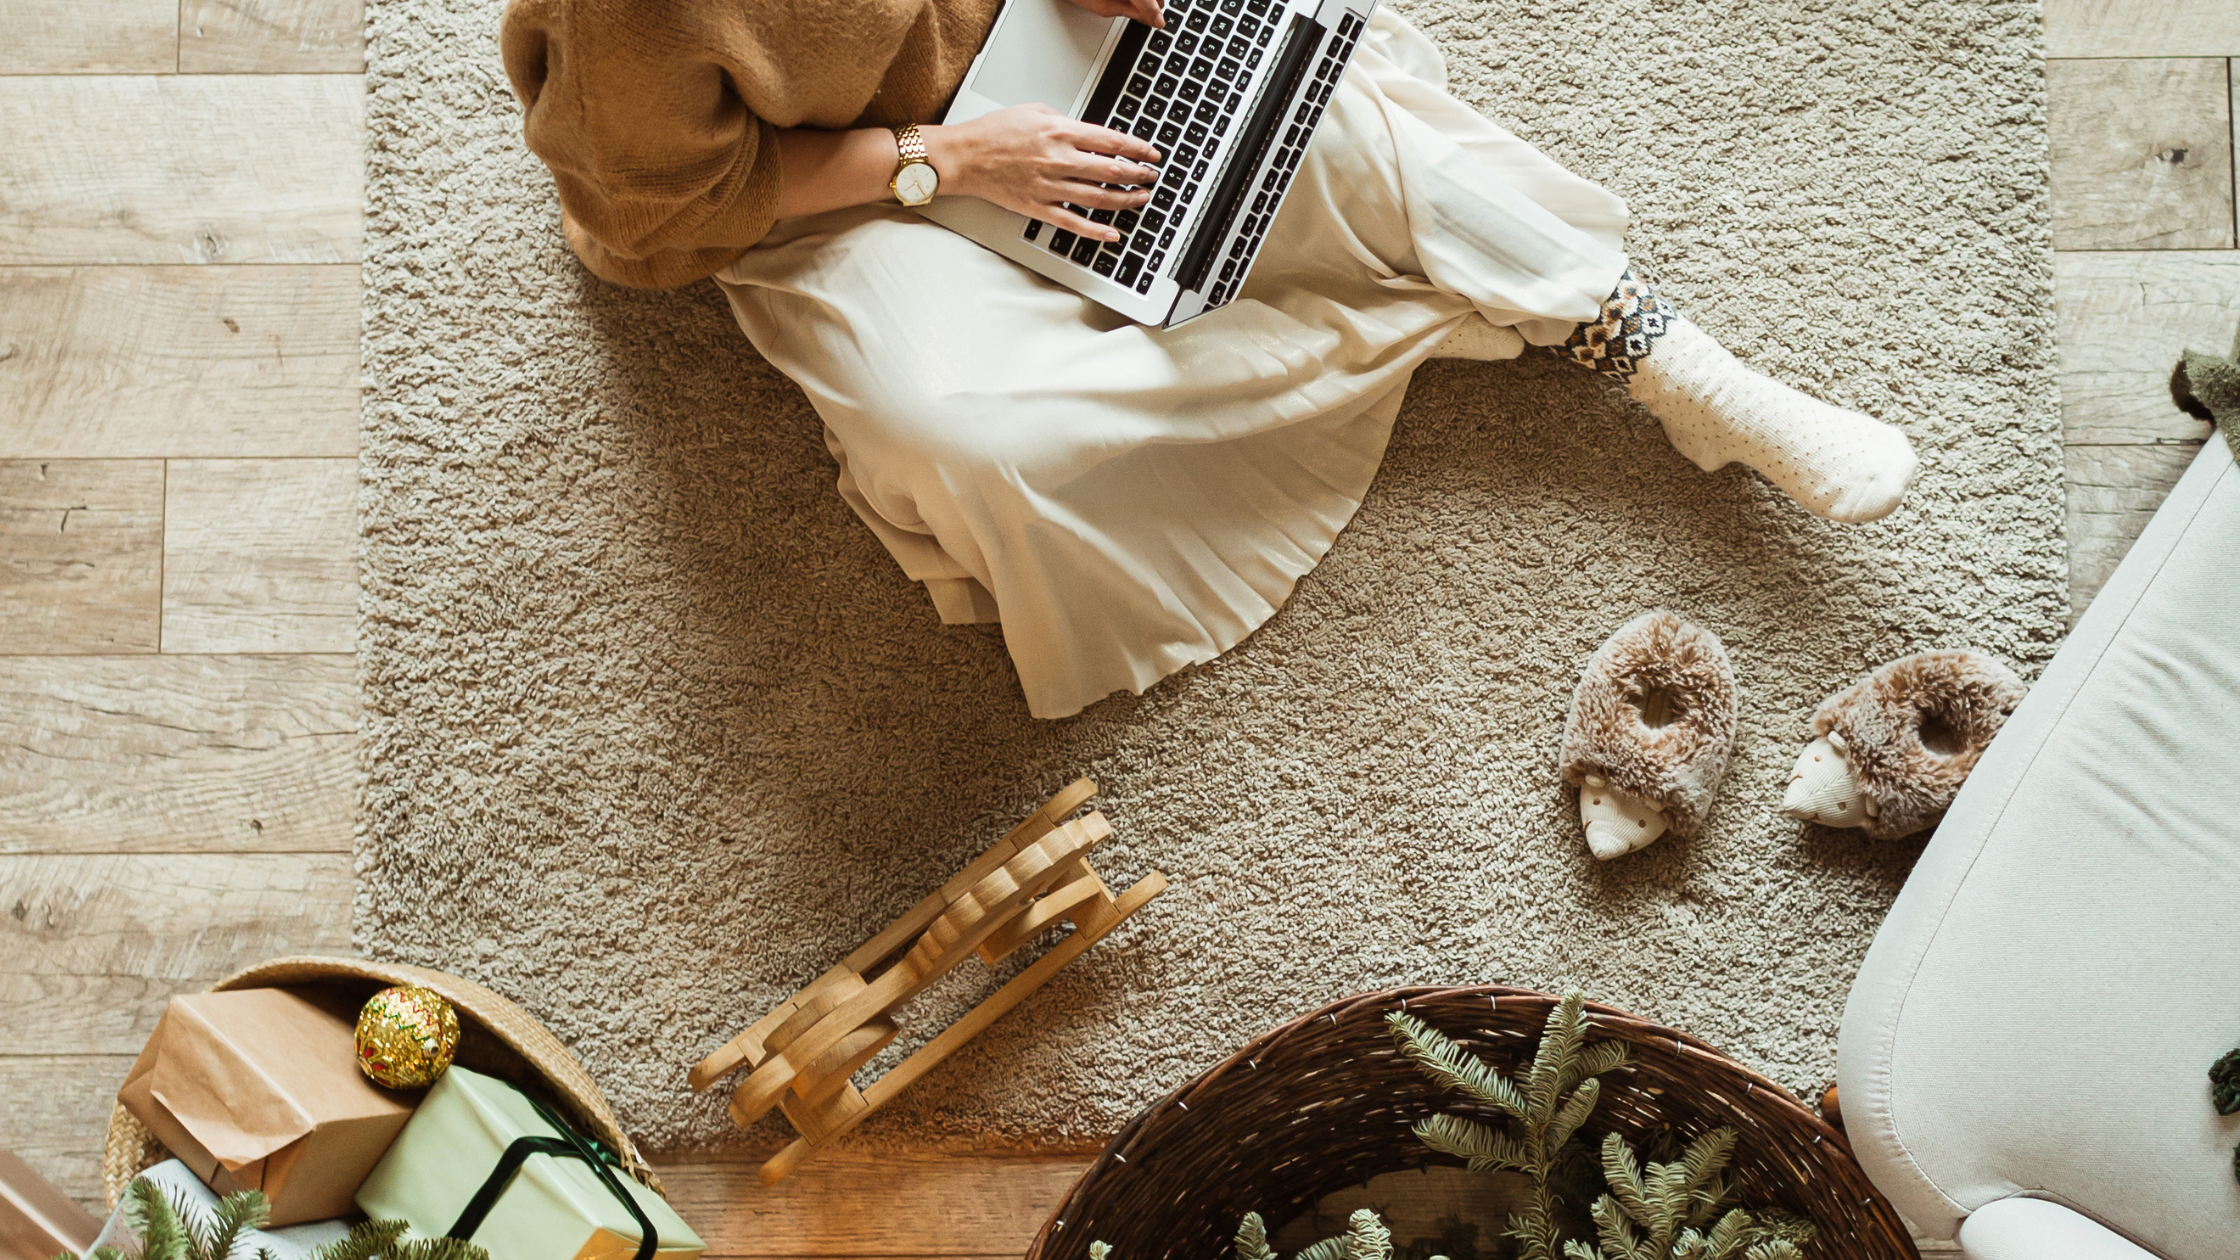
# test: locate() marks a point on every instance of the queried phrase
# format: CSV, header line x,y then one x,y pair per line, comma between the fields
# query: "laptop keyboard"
x,y
1182,92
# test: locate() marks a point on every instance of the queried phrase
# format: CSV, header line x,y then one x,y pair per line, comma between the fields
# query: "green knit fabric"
x,y
2207,386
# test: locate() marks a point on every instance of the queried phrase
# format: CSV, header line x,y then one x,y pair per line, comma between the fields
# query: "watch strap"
x,y
909,145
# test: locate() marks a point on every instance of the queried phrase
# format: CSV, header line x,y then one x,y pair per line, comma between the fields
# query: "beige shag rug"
x,y
655,731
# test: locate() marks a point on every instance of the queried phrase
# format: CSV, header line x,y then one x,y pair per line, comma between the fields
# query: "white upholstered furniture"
x,y
2026,1049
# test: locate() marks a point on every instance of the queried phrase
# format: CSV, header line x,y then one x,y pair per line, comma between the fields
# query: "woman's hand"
x,y
1037,161
1148,12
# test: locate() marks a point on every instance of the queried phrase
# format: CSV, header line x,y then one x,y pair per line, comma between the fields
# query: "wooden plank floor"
x,y
178,411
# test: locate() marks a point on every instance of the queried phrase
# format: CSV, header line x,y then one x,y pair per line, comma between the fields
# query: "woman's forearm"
x,y
831,170
1025,158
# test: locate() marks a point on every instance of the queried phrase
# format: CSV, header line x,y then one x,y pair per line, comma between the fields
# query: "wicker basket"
x,y
495,1036
1327,1101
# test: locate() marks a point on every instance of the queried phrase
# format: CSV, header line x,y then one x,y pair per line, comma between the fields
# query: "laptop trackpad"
x,y
1042,54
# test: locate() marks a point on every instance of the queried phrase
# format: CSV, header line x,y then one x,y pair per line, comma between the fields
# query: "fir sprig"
x,y
1542,1109
1680,1210
170,1230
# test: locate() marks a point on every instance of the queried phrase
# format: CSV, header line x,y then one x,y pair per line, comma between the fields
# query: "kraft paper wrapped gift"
x,y
548,1195
259,1089
194,1202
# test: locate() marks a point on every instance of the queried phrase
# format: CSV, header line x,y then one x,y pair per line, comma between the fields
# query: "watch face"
x,y
914,184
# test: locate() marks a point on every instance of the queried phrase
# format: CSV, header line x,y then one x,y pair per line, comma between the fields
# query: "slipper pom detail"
x,y
1891,751
1653,719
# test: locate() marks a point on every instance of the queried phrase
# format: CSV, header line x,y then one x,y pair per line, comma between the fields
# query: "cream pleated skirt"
x,y
1128,501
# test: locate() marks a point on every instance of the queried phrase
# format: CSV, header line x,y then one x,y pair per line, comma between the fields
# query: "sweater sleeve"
x,y
664,174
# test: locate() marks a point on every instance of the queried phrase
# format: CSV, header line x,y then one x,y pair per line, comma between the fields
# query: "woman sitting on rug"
x,y
1126,500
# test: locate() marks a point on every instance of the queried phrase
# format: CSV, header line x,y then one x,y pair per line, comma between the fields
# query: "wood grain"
x,y
2113,490
271,36
54,1111
89,36
177,754
927,1204
92,946
2122,319
134,362
81,555
260,555
2142,28
2141,153
181,169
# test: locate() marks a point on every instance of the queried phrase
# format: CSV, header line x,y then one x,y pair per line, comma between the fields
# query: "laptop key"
x,y
1163,197
1229,269
1145,128
1101,215
1062,242
1169,133
1084,250
1184,45
1153,220
1157,257
1221,28
1183,157
1158,44
1166,239
1130,268
1103,264
1127,107
1126,220
1252,61
1167,84
1265,33
1208,112
1139,85
1034,228
1201,67
1194,132
1197,22
1247,27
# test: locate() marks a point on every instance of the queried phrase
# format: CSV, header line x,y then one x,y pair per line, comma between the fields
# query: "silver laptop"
x,y
1230,92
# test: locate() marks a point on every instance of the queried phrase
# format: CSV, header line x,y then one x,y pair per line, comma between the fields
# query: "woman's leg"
x,y
1836,463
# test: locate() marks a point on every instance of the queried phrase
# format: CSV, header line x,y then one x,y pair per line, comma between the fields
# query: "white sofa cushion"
x,y
2040,1009
2033,1229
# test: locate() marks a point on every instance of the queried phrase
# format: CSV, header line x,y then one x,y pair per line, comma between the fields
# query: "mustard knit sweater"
x,y
659,119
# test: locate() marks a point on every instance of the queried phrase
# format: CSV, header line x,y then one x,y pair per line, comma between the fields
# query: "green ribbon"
x,y
569,1145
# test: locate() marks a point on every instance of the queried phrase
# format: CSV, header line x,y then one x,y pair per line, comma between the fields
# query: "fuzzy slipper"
x,y
1891,751
1650,733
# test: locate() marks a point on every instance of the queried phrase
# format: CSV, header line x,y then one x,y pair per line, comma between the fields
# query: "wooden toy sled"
x,y
803,1053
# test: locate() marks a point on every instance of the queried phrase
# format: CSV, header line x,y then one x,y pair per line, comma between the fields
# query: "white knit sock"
x,y
1844,465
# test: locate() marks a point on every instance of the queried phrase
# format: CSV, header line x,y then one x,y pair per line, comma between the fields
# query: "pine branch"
x,y
436,1249
1624,1176
1366,1237
237,1213
1331,1248
156,1221
1252,1239
1452,1066
1595,1059
1615,1230
1573,1249
1774,1249
1486,1148
1706,1157
1727,1237
1574,1113
1559,1047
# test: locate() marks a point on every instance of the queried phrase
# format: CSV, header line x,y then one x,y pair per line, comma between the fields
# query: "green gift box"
x,y
481,1160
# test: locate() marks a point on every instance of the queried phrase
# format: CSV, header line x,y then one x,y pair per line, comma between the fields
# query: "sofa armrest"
x,y
2036,1229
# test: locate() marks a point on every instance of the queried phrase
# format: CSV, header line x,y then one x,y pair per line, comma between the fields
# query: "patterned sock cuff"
x,y
1633,317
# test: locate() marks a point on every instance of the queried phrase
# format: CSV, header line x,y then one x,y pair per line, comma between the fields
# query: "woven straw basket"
x,y
1326,1102
495,1036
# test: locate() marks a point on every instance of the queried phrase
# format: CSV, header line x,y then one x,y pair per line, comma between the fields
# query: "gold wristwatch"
x,y
915,181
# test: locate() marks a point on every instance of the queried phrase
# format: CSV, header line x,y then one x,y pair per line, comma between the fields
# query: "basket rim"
x,y
497,1014
1607,1018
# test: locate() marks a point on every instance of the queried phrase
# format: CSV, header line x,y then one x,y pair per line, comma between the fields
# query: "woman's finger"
x,y
1059,216
1106,140
1095,168
1097,198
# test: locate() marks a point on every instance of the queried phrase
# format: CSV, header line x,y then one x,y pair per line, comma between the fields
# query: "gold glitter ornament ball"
x,y
406,1036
